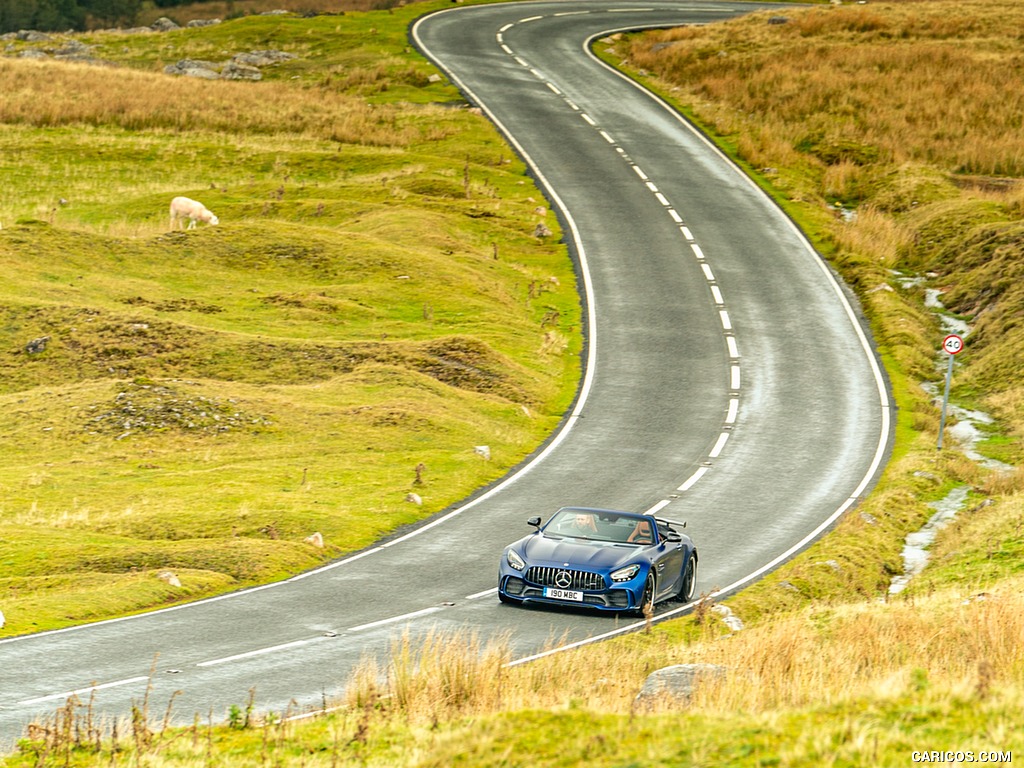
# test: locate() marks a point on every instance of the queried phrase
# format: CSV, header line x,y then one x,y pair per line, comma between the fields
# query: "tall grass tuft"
x,y
436,677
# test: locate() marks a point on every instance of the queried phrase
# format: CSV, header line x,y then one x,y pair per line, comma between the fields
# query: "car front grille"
x,y
549,577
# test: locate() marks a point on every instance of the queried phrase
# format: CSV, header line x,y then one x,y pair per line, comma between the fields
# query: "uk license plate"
x,y
563,594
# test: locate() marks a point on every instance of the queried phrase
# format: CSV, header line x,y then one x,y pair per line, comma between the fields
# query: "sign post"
x,y
952,345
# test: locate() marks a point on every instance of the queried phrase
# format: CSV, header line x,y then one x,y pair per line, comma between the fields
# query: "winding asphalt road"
x,y
729,382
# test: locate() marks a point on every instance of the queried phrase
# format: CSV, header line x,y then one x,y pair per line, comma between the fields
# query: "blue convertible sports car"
x,y
599,558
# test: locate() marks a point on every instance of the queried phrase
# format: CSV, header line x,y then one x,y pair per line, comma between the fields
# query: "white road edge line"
x,y
80,691
394,619
257,652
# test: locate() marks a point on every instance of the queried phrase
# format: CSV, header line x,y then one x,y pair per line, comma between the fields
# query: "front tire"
x,y
688,585
646,607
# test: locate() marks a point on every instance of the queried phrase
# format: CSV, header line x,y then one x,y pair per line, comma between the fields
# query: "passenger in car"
x,y
641,533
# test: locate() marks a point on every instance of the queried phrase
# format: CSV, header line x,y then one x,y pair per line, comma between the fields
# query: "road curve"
x,y
729,382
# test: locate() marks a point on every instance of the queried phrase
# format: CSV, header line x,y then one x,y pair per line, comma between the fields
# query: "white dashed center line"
x,y
717,295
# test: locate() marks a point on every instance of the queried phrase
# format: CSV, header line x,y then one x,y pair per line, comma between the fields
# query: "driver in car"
x,y
582,525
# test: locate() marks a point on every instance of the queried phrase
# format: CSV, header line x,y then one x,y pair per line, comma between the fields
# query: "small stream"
x,y
915,547
966,433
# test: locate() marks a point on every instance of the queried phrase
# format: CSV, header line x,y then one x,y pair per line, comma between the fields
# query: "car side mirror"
x,y
534,521
673,537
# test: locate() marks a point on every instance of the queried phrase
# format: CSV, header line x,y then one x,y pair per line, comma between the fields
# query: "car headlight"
x,y
515,560
625,574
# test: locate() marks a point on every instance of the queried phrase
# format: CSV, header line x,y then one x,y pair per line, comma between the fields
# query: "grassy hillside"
x,y
890,133
373,305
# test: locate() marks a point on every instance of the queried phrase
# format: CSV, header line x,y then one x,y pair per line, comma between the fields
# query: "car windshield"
x,y
598,525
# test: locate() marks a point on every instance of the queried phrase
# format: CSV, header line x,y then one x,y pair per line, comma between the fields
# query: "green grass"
x,y
207,400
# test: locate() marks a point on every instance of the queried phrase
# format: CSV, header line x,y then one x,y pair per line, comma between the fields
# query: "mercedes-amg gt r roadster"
x,y
602,559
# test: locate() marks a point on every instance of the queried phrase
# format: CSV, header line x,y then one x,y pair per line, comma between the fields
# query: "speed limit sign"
x,y
953,344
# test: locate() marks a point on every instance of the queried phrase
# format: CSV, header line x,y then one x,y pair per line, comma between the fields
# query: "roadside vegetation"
x,y
890,132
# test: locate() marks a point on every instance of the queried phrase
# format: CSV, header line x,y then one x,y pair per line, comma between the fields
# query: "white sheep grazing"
x,y
183,207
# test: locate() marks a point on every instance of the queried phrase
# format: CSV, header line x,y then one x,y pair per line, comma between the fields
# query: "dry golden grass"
x,y
929,82
40,95
820,656
879,237
1004,483
437,677
864,675
835,656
